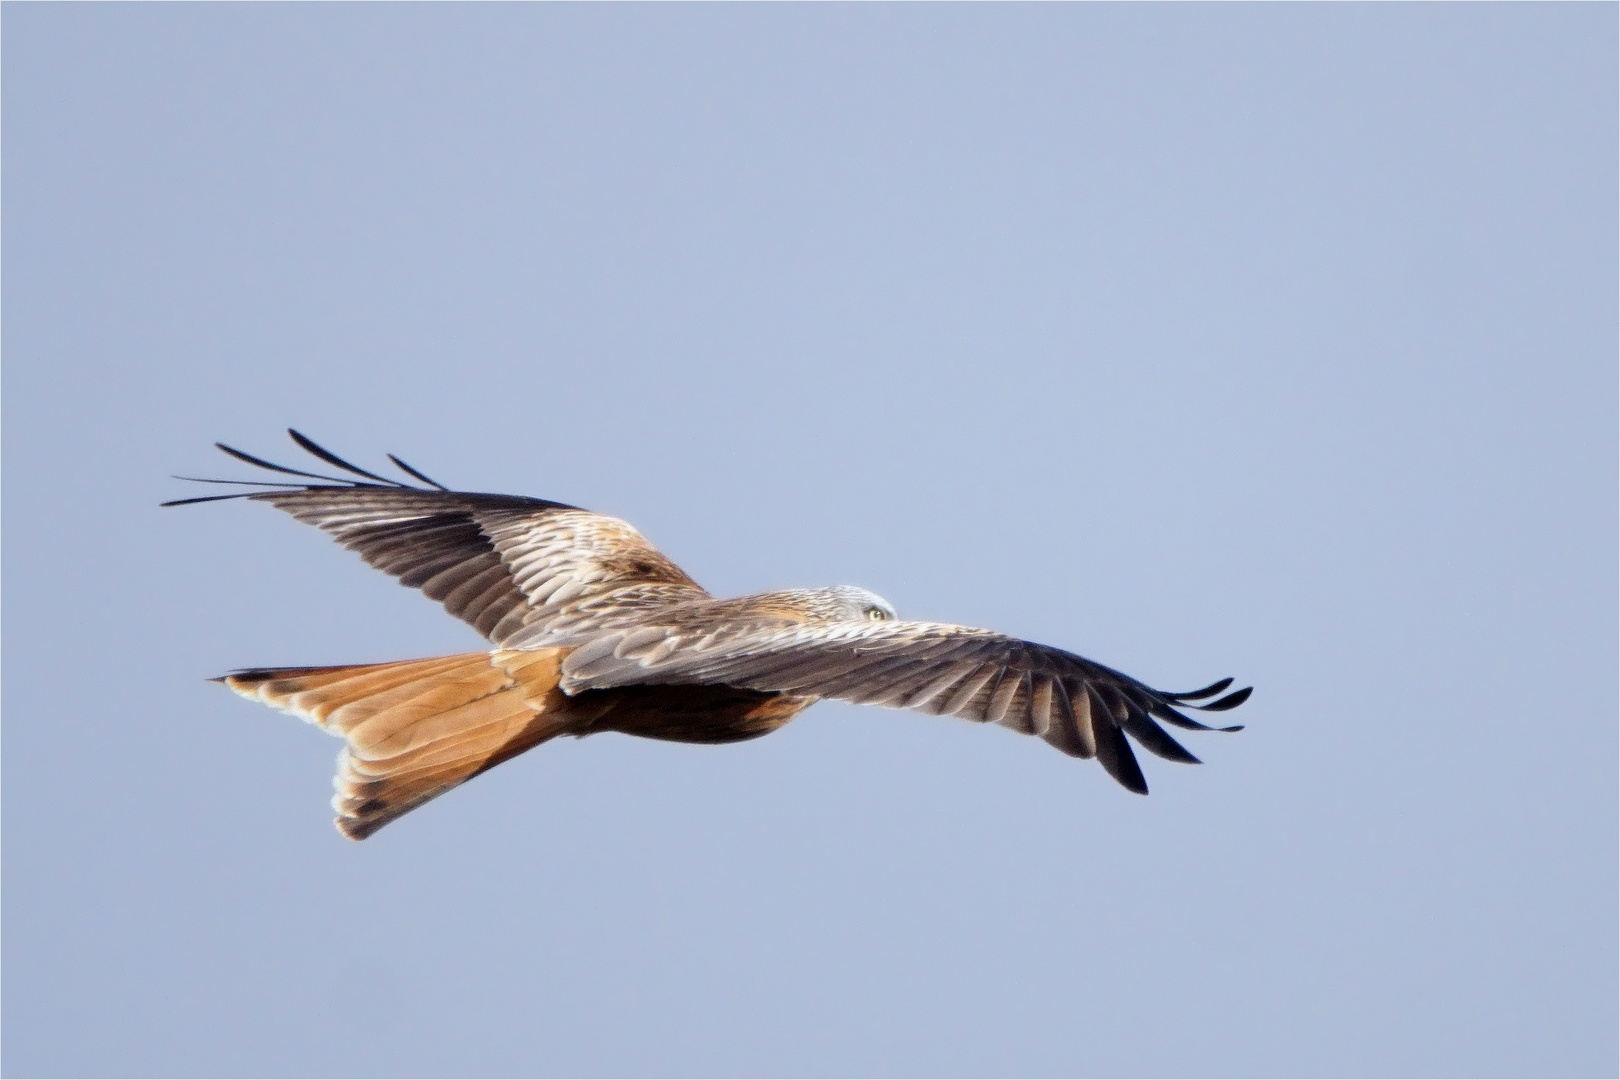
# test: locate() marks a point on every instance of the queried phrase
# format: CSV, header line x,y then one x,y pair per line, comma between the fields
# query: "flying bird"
x,y
593,629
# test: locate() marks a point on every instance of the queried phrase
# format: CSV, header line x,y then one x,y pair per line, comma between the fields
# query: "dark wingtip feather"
x,y
1131,780
1113,749
241,455
1139,726
1230,701
205,498
419,476
1198,695
1171,716
332,459
245,483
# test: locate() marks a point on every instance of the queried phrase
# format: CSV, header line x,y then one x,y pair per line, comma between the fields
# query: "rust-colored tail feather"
x,y
417,728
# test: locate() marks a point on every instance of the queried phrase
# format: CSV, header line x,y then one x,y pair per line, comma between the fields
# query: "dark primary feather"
x,y
241,455
245,483
332,459
1230,701
204,498
1198,695
425,479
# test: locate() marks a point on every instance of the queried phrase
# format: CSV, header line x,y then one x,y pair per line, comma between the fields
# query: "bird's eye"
x,y
875,614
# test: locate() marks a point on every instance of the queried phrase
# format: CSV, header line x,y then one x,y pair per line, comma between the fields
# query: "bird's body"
x,y
595,630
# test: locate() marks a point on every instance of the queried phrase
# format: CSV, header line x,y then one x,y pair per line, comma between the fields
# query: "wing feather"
x,y
1011,684
1040,705
1017,716
1113,751
968,692
1140,726
932,697
1064,731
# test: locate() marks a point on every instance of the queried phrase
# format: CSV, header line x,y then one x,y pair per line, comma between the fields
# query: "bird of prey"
x,y
593,629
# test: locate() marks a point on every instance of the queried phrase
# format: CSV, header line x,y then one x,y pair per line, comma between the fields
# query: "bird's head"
x,y
839,603
848,602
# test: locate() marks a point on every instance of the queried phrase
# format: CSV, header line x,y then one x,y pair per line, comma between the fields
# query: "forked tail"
x,y
414,729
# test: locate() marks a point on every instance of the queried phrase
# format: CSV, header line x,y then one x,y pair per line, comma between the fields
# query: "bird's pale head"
x,y
848,602
839,603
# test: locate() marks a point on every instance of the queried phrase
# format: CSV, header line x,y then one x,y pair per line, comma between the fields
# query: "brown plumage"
x,y
595,630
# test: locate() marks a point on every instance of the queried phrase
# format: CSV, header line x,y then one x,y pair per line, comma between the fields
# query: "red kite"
x,y
595,630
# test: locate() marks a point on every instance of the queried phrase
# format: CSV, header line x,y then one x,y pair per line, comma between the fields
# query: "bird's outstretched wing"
x,y
1080,707
505,564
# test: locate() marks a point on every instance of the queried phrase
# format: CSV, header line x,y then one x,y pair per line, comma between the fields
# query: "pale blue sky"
x,y
1272,341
